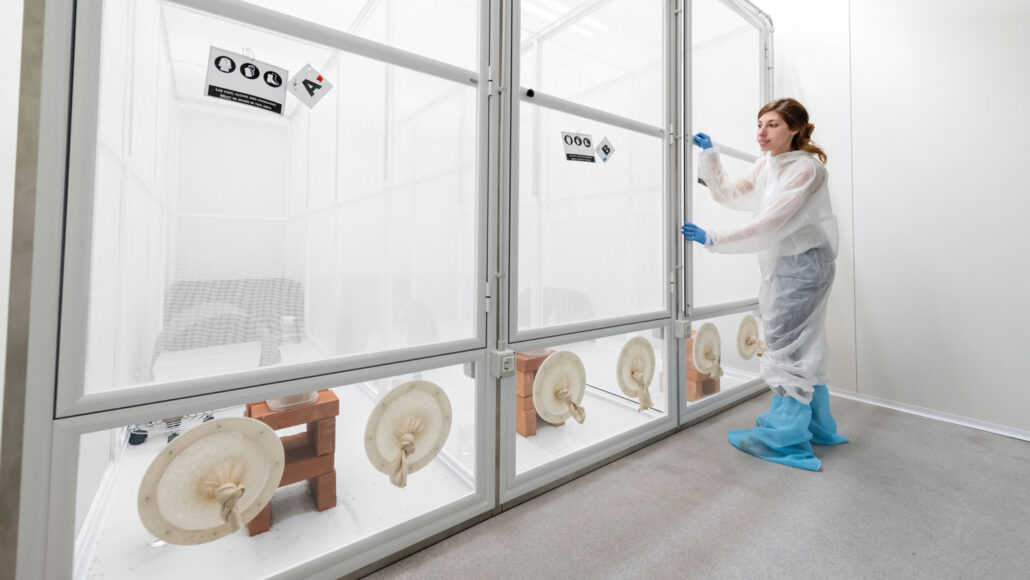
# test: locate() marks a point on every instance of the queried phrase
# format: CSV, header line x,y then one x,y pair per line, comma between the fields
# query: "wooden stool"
x,y
698,384
309,455
525,410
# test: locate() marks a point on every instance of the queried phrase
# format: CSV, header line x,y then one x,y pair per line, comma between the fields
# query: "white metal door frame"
x,y
44,530
511,333
71,397
687,314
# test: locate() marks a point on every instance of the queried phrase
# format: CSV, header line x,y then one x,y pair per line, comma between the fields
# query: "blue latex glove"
x,y
703,141
692,233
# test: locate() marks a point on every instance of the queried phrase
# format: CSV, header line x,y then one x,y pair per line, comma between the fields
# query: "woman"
x,y
794,233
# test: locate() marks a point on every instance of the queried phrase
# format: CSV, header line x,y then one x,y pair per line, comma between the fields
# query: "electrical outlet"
x,y
502,363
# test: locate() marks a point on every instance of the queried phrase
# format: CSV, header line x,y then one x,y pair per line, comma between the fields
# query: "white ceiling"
x,y
713,20
338,14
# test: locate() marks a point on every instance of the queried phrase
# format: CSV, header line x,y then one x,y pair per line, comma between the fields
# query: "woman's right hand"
x,y
703,141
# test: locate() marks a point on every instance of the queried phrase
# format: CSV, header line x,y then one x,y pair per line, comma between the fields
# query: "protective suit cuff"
x,y
707,164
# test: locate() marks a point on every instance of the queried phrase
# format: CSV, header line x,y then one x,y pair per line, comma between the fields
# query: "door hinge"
x,y
681,328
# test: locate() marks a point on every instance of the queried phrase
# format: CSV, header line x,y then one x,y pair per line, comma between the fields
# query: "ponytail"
x,y
795,116
803,141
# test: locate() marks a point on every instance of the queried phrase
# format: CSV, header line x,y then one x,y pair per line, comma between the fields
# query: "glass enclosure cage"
x,y
488,217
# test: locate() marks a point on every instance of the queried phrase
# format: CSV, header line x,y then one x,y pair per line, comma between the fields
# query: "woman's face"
x,y
774,135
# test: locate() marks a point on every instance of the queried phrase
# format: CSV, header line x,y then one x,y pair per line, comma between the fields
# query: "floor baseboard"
x,y
933,414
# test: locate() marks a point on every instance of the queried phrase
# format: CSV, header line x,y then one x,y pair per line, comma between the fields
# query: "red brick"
x,y
710,387
525,423
694,375
291,442
326,406
531,362
309,455
302,463
524,404
697,390
324,489
694,392
262,522
524,383
322,434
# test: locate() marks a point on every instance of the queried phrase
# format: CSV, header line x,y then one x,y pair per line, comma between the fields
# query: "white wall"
x,y
232,194
941,122
812,61
135,136
10,45
932,97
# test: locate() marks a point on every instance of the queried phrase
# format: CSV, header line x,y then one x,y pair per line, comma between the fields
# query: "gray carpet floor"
x,y
909,497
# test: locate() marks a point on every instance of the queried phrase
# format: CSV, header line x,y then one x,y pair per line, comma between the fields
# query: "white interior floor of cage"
x,y
609,413
367,503
608,416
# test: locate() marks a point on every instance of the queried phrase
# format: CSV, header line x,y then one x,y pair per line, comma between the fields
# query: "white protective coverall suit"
x,y
794,233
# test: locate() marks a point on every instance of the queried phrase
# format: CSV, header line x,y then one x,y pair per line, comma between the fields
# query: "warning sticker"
x,y
605,150
578,147
309,86
241,79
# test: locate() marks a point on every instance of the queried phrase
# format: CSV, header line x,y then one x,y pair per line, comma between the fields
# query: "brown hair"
x,y
795,116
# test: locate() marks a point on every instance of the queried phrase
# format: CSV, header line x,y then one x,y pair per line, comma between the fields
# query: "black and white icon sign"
x,y
309,86
248,86
249,70
225,64
605,150
578,140
578,146
273,79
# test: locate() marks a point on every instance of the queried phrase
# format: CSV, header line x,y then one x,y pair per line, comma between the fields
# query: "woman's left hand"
x,y
692,233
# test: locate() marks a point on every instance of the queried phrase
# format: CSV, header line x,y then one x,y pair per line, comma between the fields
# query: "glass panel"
x,y
227,238
736,370
590,234
112,541
411,25
609,411
726,96
722,278
606,55
726,75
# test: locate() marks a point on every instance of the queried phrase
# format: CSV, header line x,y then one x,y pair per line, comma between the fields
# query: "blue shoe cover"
x,y
781,435
823,427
